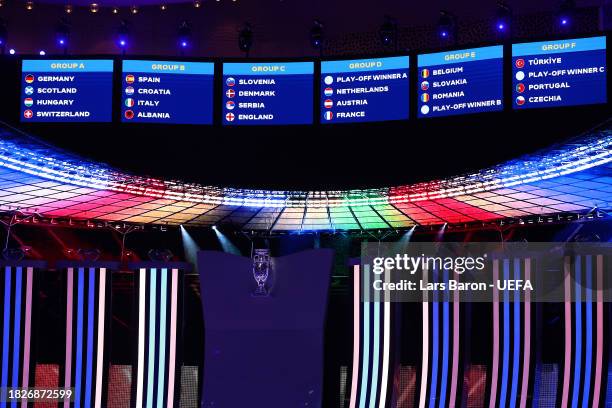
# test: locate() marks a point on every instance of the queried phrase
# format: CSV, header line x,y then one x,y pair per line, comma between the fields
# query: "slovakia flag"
x,y
230,81
520,100
29,78
328,103
328,92
328,115
424,85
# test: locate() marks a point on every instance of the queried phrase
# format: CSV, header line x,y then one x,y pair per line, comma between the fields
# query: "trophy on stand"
x,y
261,271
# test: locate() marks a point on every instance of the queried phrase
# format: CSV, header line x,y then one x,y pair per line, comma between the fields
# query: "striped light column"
x,y
87,314
156,362
16,284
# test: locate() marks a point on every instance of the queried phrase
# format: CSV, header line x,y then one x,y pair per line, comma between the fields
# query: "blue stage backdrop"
x,y
263,352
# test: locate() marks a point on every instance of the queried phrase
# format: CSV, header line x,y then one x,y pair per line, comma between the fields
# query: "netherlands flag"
x,y
28,102
129,114
328,92
129,102
520,100
29,78
424,85
230,105
328,115
230,81
328,103
425,73
28,114
129,79
425,97
520,88
230,93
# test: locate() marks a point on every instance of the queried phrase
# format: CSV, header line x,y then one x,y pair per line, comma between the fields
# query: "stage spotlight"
x,y
123,35
184,35
68,8
42,53
503,18
197,3
388,32
29,5
1,3
12,51
245,38
115,10
134,9
94,7
447,26
316,35
163,7
62,33
566,13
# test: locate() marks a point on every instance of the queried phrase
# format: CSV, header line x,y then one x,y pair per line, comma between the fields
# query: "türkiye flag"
x,y
230,105
425,73
28,114
230,117
29,78
28,102
520,100
520,88
328,115
328,103
129,79
230,81
129,102
230,93
328,92
520,63
129,114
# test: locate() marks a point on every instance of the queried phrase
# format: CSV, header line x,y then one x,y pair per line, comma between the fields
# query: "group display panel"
x,y
544,74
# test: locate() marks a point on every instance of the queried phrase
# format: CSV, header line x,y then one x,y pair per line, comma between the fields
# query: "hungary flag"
x,y
28,102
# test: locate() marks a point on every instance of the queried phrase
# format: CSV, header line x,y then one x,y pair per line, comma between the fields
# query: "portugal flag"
x,y
29,78
520,88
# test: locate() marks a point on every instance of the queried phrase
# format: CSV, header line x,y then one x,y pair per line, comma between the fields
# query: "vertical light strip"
x,y
363,392
445,342
425,345
162,337
6,328
69,309
567,363
356,340
435,325
588,347
506,345
456,341
578,331
142,291
79,340
152,320
516,343
527,337
172,350
100,346
599,340
375,353
386,344
91,296
495,362
27,332
17,330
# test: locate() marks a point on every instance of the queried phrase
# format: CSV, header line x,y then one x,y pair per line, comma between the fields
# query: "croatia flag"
x,y
230,93
28,102
129,79
29,78
129,90
520,100
520,88
129,102
425,73
328,92
328,103
230,105
425,97
424,85
328,115
129,114
230,117
28,114
230,81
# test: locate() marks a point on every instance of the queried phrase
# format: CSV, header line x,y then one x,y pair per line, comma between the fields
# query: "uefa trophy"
x,y
261,271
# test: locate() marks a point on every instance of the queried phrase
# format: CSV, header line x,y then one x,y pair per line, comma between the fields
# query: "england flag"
x,y
230,117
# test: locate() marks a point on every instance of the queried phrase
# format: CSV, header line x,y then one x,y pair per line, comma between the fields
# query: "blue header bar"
x,y
461,56
365,65
169,67
555,47
67,66
270,68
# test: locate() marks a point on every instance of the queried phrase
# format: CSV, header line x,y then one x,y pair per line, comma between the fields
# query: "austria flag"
x,y
28,102
425,73
424,85
230,105
29,78
520,100
129,102
425,97
129,114
328,92
328,103
230,81
520,88
328,115
129,79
